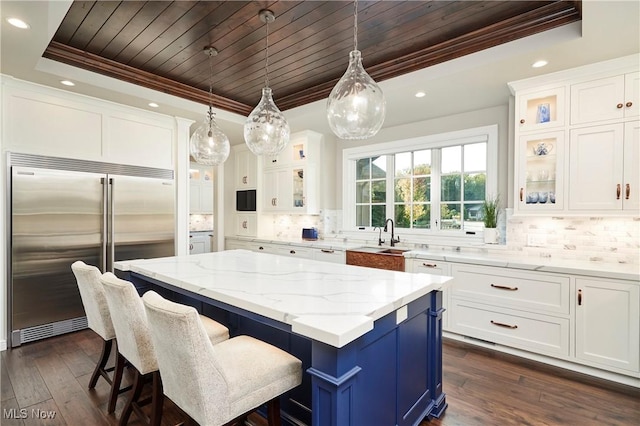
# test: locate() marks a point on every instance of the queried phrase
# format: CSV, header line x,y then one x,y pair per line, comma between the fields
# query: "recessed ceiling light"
x,y
67,83
539,64
18,23
153,105
420,94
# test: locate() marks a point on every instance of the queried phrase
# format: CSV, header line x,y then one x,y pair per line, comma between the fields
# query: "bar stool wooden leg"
x,y
273,412
100,367
115,386
157,399
138,384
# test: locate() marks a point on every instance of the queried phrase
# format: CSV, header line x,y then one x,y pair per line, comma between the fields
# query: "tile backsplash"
x,y
290,226
596,239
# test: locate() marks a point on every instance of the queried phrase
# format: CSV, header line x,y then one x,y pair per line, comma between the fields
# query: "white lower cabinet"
x,y
291,251
330,255
607,325
587,321
525,330
521,309
199,242
434,267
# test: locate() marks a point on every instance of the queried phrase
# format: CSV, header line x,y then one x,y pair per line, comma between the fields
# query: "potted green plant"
x,y
490,212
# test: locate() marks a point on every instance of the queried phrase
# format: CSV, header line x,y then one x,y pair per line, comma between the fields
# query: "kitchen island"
x,y
370,340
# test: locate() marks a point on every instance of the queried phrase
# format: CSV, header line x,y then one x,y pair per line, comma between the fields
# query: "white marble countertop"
x,y
621,271
327,302
488,256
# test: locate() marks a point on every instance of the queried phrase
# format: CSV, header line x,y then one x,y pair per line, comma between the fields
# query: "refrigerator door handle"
x,y
105,194
112,232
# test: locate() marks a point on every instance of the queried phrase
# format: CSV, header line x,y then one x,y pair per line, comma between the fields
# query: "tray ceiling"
x,y
159,44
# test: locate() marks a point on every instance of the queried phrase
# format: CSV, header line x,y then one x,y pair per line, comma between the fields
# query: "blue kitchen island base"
x,y
391,375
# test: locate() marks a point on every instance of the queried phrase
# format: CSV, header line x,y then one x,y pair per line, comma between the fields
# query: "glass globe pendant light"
x,y
208,144
356,106
266,131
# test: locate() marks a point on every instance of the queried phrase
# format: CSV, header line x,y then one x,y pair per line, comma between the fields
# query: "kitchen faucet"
x,y
393,240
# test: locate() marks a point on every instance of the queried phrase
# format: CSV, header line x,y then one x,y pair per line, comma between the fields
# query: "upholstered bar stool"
x,y
215,385
99,320
135,345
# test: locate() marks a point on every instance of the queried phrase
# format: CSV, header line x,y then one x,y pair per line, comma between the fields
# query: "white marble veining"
x,y
328,302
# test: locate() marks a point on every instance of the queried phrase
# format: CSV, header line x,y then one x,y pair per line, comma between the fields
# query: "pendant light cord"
x,y
355,25
210,86
266,58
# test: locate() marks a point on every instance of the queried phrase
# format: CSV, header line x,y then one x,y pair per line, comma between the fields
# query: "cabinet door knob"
x,y
190,246
618,190
627,191
244,224
619,106
244,179
580,297
522,121
629,104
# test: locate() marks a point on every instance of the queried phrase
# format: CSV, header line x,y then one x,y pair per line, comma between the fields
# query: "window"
x,y
428,185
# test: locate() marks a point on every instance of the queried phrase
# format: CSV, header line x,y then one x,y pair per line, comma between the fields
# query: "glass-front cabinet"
x,y
541,110
540,180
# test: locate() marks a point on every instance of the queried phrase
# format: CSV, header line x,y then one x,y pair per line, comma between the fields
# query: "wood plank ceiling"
x,y
159,44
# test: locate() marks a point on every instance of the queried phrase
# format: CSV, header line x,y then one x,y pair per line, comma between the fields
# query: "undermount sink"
x,y
376,257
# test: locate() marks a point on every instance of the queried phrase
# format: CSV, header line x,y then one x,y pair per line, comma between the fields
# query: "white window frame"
x,y
488,134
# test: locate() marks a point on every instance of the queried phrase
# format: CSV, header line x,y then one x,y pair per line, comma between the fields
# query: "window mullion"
x,y
390,206
436,159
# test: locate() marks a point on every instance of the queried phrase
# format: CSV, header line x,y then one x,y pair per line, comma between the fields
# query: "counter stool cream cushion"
x,y
135,344
216,384
99,320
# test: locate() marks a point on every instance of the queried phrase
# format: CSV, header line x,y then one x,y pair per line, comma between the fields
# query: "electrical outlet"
x,y
536,240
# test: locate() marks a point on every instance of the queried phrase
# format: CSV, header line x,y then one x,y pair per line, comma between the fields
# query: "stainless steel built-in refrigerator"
x,y
68,210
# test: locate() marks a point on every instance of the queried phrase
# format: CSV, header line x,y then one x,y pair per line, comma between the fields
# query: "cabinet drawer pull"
x,y
292,252
499,324
521,194
618,190
504,287
327,251
260,248
579,297
619,106
429,265
628,104
627,191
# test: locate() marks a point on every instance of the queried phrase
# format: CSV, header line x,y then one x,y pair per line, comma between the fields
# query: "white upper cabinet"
x,y
611,98
246,174
291,181
541,109
201,188
589,163
45,121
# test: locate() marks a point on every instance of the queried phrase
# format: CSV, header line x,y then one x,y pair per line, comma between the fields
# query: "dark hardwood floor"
x,y
483,388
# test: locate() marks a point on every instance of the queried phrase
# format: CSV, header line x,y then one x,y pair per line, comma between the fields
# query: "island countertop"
x,y
331,303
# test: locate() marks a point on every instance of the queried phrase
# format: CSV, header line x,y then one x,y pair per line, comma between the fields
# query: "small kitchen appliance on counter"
x,y
310,234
